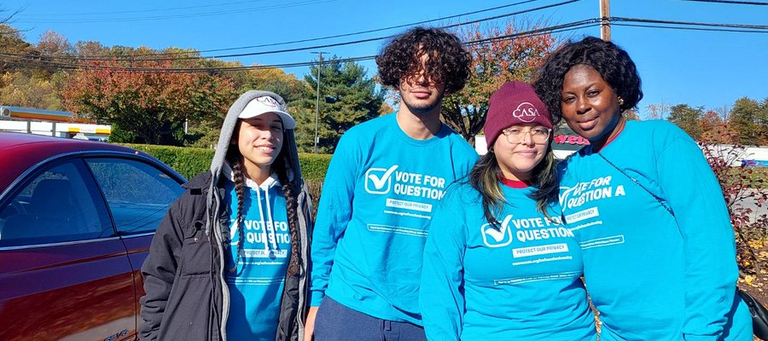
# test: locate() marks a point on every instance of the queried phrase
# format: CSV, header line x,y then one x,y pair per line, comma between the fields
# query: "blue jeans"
x,y
336,322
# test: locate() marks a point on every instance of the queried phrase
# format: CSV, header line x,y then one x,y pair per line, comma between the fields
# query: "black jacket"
x,y
184,299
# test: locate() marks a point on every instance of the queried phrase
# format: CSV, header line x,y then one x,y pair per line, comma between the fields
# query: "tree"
x,y
146,106
276,80
90,49
631,115
12,43
385,109
715,130
19,89
270,79
687,118
24,79
347,97
493,63
748,120
54,44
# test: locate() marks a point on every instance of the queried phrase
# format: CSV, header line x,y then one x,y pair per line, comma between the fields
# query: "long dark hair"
x,y
485,175
281,166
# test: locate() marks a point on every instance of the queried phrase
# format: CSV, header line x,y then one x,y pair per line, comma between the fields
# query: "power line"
x,y
618,21
733,2
338,35
59,15
690,28
316,47
534,32
178,16
688,23
363,32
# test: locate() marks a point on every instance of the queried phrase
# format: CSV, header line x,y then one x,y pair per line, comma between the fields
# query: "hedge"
x,y
192,161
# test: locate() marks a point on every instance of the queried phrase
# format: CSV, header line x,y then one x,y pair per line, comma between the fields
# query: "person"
x,y
498,263
383,182
646,208
230,259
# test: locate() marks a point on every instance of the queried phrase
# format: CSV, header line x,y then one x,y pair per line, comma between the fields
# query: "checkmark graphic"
x,y
498,236
379,183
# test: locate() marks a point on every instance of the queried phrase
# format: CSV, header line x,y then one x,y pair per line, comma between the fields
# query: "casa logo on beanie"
x,y
526,112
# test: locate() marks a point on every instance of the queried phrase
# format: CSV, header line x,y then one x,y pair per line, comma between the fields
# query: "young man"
x,y
383,183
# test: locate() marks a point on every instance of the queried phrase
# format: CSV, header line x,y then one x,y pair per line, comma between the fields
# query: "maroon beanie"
x,y
514,103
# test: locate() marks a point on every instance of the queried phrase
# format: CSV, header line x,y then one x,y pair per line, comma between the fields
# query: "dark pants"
x,y
335,322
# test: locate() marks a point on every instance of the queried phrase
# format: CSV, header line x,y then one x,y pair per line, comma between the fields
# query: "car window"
x,y
57,205
138,194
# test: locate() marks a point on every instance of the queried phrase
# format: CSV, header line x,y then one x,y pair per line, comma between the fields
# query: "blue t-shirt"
x,y
652,275
378,199
518,281
256,286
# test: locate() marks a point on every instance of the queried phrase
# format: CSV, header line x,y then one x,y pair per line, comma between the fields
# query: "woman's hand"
x,y
309,327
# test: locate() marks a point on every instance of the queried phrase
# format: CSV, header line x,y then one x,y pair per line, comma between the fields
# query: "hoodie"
x,y
258,278
188,295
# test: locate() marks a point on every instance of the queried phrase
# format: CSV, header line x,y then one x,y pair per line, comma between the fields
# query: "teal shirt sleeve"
x,y
333,214
441,295
695,196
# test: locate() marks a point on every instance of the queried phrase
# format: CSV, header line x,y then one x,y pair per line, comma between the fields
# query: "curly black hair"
x,y
448,61
611,61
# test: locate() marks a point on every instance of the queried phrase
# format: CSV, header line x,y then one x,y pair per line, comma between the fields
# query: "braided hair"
x,y
236,161
281,167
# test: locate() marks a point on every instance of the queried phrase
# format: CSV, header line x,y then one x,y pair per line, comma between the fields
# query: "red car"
x,y
76,222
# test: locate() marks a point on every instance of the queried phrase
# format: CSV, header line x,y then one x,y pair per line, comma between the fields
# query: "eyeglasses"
x,y
515,135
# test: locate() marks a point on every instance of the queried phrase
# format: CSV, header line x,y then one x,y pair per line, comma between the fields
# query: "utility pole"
x,y
317,103
605,20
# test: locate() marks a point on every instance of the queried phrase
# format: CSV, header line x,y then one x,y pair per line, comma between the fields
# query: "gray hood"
x,y
228,129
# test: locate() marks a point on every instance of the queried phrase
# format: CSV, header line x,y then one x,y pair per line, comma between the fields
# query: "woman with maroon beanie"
x,y
498,263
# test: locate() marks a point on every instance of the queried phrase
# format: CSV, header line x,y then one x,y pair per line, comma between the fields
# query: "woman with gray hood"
x,y
230,259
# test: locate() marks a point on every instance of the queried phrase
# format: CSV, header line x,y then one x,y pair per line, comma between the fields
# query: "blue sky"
x,y
699,68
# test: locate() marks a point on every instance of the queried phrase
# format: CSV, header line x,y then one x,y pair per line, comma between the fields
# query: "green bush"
x,y
190,161
314,166
187,161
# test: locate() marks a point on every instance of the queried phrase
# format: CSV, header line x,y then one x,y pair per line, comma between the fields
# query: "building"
x,y
52,123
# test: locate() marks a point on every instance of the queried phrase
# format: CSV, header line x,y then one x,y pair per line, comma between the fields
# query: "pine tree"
x,y
347,97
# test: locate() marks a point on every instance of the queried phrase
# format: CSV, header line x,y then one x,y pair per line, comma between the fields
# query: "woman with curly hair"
x,y
646,208
383,182
230,259
499,264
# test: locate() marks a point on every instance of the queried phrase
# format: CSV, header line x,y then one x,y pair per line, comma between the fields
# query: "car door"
x,y
138,193
64,273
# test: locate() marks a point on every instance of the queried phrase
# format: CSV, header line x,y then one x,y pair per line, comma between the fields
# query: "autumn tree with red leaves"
x,y
148,105
716,130
493,63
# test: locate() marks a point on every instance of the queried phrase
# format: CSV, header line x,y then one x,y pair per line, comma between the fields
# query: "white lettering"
x,y
434,181
546,233
418,191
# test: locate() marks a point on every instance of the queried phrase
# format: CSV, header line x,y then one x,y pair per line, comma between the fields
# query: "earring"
x,y
621,101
